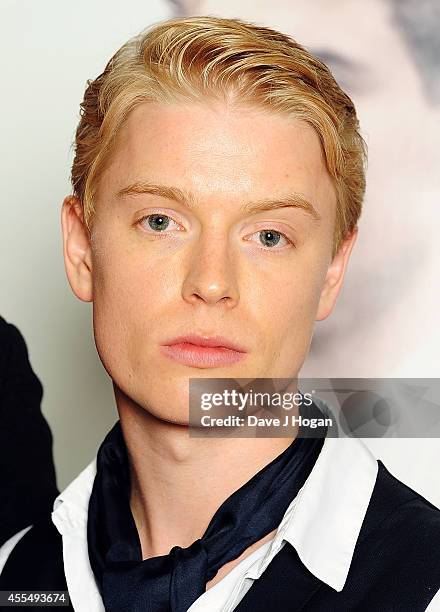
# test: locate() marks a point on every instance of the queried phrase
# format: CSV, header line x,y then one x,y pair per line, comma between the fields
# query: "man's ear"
x,y
77,249
335,276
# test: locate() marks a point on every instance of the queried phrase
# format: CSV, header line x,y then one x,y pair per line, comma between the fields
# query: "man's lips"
x,y
203,352
206,341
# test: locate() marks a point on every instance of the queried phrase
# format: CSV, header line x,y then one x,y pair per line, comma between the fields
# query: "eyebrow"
x,y
294,200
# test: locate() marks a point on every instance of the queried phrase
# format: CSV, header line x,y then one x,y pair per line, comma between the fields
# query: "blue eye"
x,y
270,238
157,222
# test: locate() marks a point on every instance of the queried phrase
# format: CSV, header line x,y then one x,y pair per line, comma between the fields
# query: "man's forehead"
x,y
201,118
198,131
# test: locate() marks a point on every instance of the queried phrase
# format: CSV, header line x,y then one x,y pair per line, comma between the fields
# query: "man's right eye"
x,y
157,222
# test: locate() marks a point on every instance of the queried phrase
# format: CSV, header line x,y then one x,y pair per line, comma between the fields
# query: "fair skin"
x,y
208,273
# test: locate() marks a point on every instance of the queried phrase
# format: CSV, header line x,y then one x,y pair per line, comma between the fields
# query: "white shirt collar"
x,y
70,509
330,508
322,523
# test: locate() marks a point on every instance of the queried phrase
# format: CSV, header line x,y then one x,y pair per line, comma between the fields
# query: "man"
x,y
218,180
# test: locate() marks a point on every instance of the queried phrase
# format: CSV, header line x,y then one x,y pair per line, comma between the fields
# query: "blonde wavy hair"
x,y
192,58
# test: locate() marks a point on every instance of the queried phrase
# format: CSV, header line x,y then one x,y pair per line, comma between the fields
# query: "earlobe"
x,y
335,276
77,249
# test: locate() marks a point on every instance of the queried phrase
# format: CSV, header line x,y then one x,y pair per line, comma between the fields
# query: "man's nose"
x,y
211,274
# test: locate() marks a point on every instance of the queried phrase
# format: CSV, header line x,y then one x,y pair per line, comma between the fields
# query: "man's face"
x,y
213,268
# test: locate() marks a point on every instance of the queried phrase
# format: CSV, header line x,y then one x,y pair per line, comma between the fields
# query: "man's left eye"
x,y
271,238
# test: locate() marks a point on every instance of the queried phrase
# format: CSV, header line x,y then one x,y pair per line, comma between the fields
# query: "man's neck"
x,y
178,482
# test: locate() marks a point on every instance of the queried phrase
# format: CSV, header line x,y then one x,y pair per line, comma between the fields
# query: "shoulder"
x,y
10,335
15,369
399,508
397,555
33,559
395,564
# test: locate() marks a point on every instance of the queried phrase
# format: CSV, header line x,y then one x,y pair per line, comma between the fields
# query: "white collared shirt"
x,y
322,523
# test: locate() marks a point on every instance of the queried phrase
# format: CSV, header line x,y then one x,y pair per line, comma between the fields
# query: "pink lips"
x,y
203,352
